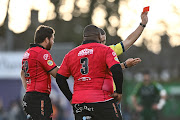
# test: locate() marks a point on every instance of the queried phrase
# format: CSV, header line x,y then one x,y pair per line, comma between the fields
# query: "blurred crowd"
x,y
15,111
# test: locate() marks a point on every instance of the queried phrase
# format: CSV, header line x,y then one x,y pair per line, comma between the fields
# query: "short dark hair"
x,y
102,31
42,32
146,72
91,31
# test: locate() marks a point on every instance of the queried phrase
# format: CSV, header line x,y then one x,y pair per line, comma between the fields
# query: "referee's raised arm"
x,y
135,35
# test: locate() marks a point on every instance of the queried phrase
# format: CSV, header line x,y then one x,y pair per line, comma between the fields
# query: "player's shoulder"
x,y
42,52
38,49
154,83
139,85
137,88
72,52
157,85
35,51
105,46
26,54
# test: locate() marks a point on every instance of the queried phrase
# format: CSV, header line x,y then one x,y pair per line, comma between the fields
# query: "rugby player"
x,y
151,98
93,66
37,68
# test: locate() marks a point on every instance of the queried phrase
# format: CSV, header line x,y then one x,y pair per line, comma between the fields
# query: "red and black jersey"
x,y
36,64
90,65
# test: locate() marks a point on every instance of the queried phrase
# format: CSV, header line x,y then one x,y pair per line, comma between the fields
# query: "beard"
x,y
48,47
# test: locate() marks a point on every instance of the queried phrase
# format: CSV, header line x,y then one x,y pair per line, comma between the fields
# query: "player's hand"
x,y
144,18
132,62
154,107
117,97
139,108
70,101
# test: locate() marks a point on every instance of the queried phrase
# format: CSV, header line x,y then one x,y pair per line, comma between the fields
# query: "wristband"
x,y
142,25
125,65
161,104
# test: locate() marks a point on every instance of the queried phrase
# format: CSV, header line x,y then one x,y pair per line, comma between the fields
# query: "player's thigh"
x,y
107,111
29,103
46,108
38,106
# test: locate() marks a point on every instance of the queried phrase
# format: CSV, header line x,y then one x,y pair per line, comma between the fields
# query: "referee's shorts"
x,y
38,106
108,110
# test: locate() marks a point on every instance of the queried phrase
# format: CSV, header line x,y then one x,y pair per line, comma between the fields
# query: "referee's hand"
x,y
117,97
132,62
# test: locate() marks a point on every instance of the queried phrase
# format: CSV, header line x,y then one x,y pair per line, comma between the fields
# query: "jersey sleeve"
x,y
118,48
158,86
111,58
46,61
64,68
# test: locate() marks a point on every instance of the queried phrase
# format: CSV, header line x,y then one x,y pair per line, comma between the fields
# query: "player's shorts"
x,y
97,111
38,106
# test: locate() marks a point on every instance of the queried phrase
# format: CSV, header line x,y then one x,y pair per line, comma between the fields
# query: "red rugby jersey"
x,y
89,65
37,63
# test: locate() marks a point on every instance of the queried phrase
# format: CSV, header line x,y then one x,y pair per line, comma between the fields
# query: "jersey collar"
x,y
89,41
35,45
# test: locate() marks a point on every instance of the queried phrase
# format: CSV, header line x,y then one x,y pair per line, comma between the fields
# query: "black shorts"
x,y
97,111
38,105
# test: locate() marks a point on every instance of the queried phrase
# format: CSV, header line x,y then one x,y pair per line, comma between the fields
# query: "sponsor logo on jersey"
x,y
45,56
80,108
28,81
113,53
50,62
84,79
116,59
26,55
85,52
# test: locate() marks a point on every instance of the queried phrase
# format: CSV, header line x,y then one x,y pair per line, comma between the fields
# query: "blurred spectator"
x,y
152,98
2,113
16,111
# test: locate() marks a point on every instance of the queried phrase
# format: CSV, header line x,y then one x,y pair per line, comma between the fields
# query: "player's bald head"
x,y
91,32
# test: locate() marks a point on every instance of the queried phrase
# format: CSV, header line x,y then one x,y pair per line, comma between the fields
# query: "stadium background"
x,y
158,47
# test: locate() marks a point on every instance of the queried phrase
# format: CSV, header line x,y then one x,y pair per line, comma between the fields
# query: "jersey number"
x,y
25,68
84,69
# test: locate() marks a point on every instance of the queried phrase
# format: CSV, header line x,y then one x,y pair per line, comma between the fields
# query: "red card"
x,y
146,9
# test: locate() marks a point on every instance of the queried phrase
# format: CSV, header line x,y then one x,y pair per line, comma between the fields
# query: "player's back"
x,y
93,79
37,77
